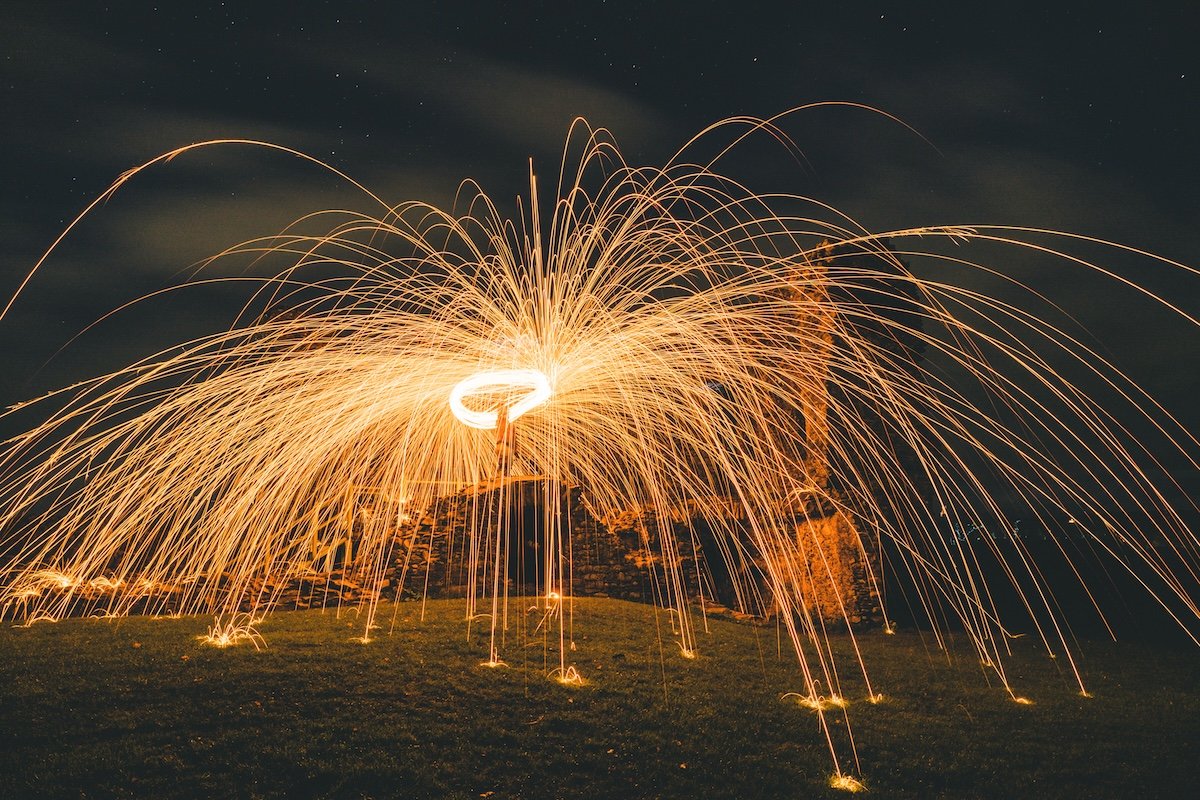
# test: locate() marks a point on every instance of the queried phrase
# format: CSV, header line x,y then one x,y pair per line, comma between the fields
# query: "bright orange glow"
x,y
819,703
568,676
237,628
846,783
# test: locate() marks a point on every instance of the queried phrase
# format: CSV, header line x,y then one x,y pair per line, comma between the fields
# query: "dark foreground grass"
x,y
139,708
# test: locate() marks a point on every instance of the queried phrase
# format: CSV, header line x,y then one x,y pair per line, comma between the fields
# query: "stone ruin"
x,y
623,557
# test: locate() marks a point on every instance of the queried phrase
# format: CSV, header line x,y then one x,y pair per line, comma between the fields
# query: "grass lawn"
x,y
140,708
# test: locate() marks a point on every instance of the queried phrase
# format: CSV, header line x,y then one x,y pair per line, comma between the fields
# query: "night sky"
x,y
1080,120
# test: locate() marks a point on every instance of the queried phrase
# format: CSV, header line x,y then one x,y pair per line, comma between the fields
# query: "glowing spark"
x,y
568,676
107,584
492,383
817,702
846,783
57,579
236,629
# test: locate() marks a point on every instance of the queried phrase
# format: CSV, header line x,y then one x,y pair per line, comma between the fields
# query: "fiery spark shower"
x,y
671,344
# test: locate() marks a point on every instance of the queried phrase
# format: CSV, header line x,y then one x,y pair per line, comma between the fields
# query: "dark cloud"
x,y
497,104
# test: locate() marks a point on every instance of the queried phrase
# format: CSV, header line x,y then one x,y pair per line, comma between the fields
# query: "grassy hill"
x,y
140,708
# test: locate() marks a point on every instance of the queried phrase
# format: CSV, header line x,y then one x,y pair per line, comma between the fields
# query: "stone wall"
x,y
826,560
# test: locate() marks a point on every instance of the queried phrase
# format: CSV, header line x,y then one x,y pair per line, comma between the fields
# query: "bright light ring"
x,y
489,382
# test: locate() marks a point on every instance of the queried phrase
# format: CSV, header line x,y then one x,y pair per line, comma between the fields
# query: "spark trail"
x,y
657,343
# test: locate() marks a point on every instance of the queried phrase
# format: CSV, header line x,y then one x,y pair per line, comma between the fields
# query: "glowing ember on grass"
x,y
820,704
667,341
234,630
568,676
846,783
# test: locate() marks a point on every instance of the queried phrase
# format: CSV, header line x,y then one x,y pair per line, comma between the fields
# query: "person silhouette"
x,y
506,441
